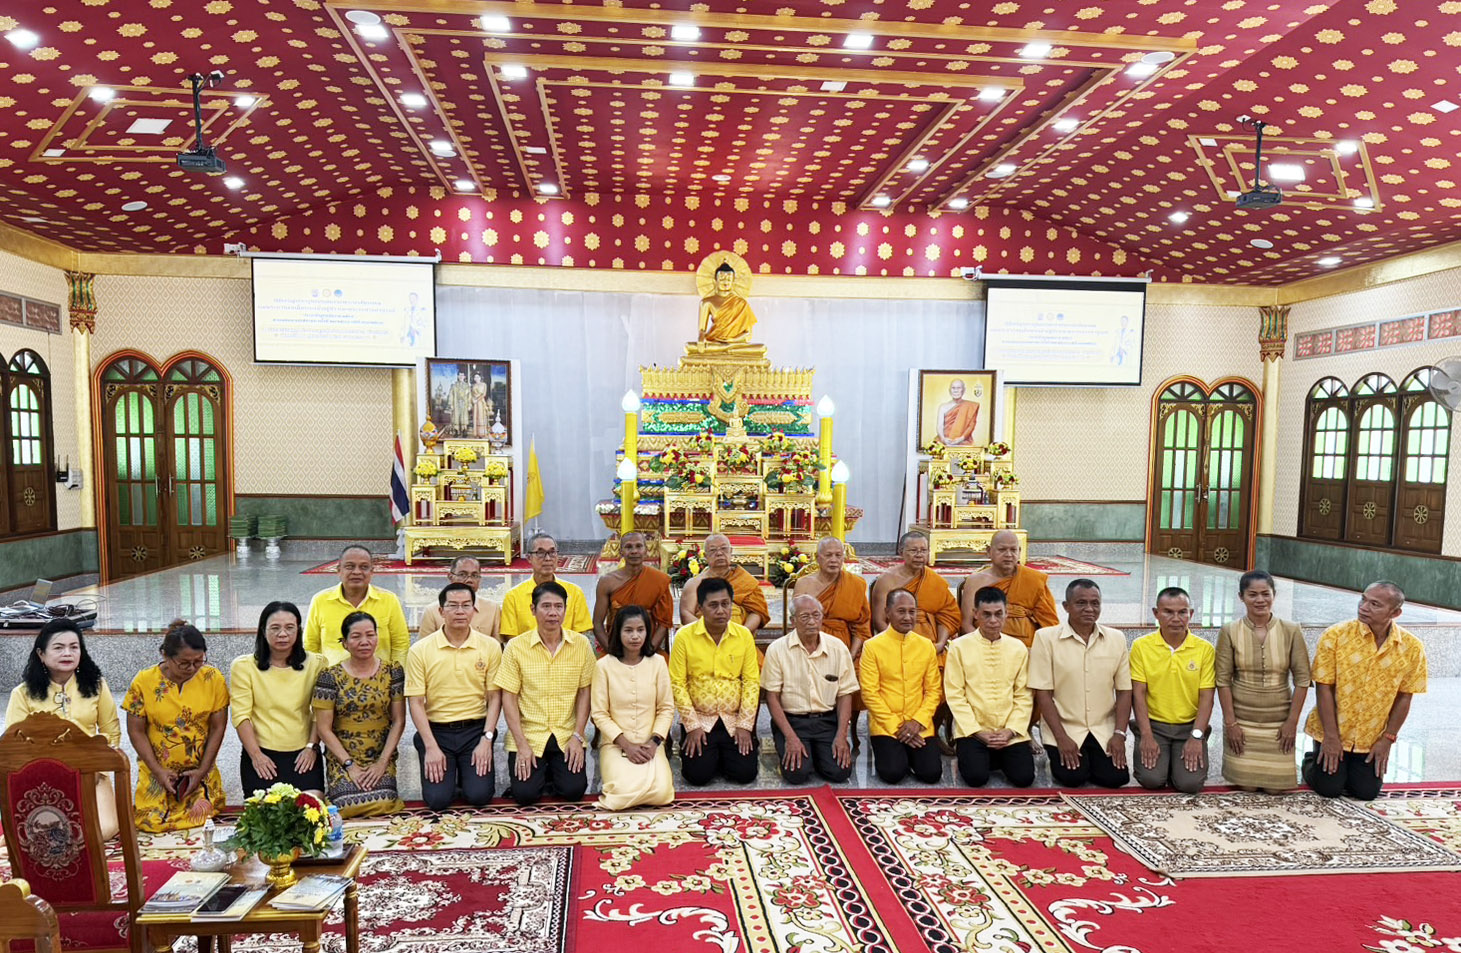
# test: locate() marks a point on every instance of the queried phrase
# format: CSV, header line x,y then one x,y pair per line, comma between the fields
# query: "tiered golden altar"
x,y
461,500
966,495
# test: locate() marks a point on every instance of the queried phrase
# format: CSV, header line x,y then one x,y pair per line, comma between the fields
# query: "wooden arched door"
x,y
1201,499
165,467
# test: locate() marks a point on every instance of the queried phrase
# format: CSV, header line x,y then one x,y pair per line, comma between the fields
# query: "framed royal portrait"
x,y
467,398
958,408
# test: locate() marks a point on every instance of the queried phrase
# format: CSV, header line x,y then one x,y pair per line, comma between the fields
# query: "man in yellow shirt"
x,y
716,682
985,678
329,607
488,617
809,687
901,689
517,606
545,679
453,704
1365,672
1173,678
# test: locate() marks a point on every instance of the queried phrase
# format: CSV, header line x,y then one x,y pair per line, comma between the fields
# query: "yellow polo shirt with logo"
x,y
517,610
329,608
453,679
1173,677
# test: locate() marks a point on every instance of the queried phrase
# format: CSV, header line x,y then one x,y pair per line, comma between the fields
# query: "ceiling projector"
x,y
1260,196
202,157
202,160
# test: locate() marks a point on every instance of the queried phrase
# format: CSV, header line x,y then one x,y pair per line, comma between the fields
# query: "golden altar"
x,y
461,500
966,495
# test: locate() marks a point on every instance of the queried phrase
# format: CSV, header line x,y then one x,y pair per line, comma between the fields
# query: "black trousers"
x,y
550,776
719,756
1096,767
1353,776
892,760
311,780
456,740
977,760
816,733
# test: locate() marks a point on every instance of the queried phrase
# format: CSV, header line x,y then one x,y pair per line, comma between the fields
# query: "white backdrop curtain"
x,y
580,351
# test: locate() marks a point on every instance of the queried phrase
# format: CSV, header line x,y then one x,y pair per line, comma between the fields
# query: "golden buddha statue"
x,y
726,319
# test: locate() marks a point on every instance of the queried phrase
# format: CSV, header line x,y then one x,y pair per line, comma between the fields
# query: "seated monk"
x,y
957,418
938,613
634,584
750,609
845,613
1031,606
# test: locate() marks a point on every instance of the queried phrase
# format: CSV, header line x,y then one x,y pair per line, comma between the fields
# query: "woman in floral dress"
x,y
360,711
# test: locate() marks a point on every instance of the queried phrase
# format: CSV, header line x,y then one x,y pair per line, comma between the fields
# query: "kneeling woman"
x,y
271,705
177,712
632,709
360,713
61,678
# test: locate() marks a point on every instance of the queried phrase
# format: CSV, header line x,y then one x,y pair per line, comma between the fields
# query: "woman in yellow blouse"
x,y
632,709
177,712
60,677
271,692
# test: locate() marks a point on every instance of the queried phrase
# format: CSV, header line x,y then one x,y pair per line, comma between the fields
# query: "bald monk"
x,y
938,613
749,609
843,596
957,417
634,584
1031,606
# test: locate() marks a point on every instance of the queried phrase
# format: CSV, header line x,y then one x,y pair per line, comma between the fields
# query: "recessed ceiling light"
x,y
684,31
244,102
918,165
1347,147
535,150
833,86
53,153
149,127
1035,50
1364,203
102,94
721,178
495,24
1178,217
547,188
682,77
1207,141
1159,57
881,201
992,93
31,218
1329,262
512,71
1285,172
443,148
958,204
234,182
372,31
1445,106
24,39
133,206
1140,69
1003,170
1067,124
464,185
413,100
362,16
1233,193
1261,243
857,41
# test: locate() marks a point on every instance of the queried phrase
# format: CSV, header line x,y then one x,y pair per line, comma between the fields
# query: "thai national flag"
x,y
400,499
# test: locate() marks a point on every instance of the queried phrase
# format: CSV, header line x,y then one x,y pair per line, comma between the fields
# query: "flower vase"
x,y
281,869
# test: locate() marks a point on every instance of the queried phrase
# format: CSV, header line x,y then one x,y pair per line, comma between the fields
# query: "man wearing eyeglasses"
x,y
488,617
517,605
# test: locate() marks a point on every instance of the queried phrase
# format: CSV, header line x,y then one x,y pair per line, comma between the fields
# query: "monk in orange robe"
x,y
845,612
1031,606
938,612
957,418
634,584
750,608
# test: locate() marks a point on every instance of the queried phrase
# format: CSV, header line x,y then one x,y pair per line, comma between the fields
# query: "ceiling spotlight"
x,y
1329,262
1444,106
721,178
833,86
244,102
882,201
1158,58
1035,50
1141,70
495,24
1067,125
992,93
464,185
1003,170
857,41
684,31
682,77
958,204
513,71
443,148
547,188
102,94
918,165
1261,243
53,153
413,100
1207,142
1285,172
1177,218
362,16
535,150
234,182
372,31
1347,147
133,206
1364,203
24,39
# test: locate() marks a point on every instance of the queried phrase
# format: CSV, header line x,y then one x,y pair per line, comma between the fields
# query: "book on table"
x,y
314,892
185,891
232,902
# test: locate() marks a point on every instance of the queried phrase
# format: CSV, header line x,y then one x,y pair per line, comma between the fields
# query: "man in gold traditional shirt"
x,y
901,689
749,605
986,686
717,686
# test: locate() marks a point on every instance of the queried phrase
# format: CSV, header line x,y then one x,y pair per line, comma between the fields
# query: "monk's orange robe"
x,y
1031,606
959,421
845,612
731,320
649,590
936,605
747,596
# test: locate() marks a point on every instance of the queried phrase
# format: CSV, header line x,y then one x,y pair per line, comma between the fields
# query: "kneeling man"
x,y
985,686
809,687
716,680
901,689
1173,678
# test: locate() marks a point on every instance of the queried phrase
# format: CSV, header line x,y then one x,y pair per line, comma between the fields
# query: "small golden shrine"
x,y
461,498
724,442
966,494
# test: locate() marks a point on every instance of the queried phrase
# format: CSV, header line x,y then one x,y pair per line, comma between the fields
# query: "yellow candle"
x,y
839,511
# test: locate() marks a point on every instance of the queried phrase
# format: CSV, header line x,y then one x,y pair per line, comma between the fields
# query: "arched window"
x,y
29,504
1425,449
1328,441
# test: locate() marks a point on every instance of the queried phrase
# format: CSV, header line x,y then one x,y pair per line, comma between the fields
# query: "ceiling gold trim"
x,y
1417,264
221,106
32,247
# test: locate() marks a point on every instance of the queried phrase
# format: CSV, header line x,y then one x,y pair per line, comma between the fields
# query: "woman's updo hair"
x,y
182,634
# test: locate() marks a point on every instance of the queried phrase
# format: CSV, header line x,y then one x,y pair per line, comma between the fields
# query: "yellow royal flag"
x,y
533,496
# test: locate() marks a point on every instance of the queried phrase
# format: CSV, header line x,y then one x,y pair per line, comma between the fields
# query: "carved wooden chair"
x,y
48,779
26,918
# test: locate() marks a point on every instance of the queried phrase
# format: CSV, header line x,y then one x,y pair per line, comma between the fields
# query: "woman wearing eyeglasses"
x,y
61,678
177,713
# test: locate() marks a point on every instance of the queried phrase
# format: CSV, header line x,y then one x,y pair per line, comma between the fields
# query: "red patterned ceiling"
x,y
785,132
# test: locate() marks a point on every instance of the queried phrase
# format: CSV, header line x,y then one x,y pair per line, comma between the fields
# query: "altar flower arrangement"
x,y
776,442
997,449
787,564
936,449
464,455
687,562
797,473
281,824
497,469
942,479
736,458
687,476
426,468
704,441
670,457
1004,478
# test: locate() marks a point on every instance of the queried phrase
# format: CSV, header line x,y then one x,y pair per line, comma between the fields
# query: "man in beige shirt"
x,y
488,617
1080,673
809,686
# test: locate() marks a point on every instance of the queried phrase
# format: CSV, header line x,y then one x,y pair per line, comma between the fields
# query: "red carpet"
x,y
491,566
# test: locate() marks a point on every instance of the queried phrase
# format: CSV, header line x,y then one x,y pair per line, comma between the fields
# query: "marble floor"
x,y
224,595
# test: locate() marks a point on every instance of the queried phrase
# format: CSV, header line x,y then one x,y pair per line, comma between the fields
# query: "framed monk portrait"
x,y
958,408
465,398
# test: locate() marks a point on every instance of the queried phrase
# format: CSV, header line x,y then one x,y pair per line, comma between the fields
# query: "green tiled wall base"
x,y
23,561
1097,521
1424,578
325,517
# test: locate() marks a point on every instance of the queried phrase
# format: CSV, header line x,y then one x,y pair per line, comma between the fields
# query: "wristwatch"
x,y
348,764
1197,734
489,735
1120,732
657,739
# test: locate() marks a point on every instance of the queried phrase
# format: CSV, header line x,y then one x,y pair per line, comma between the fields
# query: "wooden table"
x,y
164,928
